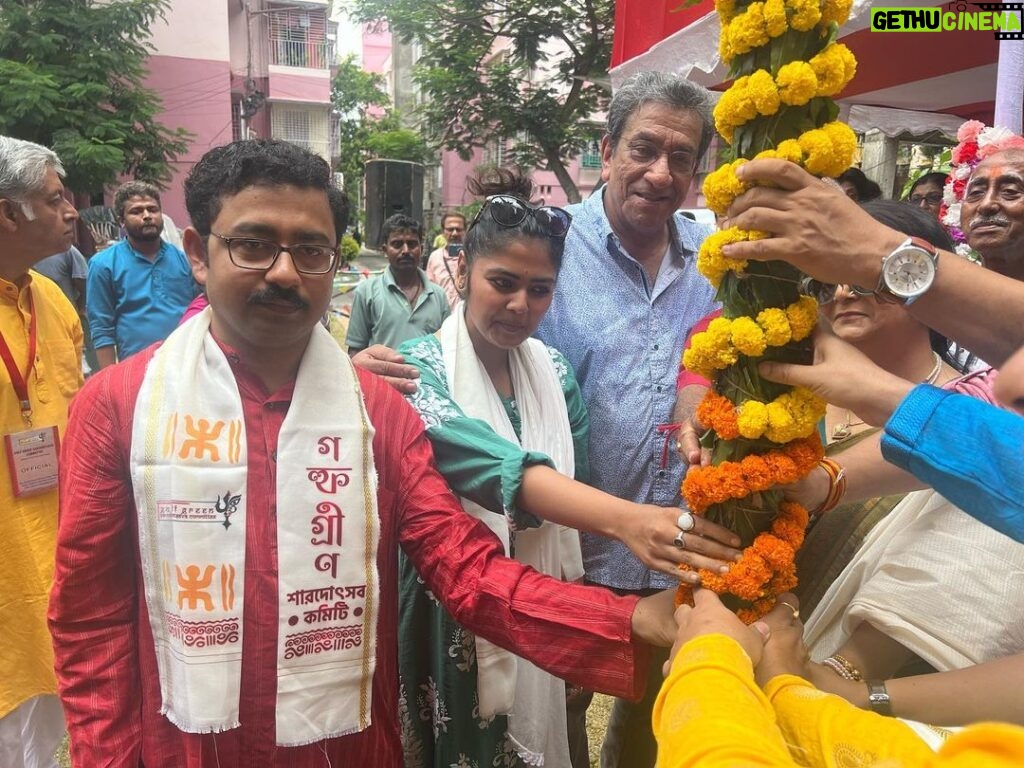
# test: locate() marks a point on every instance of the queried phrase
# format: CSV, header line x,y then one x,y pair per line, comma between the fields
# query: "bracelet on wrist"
x,y
843,667
836,485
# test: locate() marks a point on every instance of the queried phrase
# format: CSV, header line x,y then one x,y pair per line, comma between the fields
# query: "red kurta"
x,y
106,666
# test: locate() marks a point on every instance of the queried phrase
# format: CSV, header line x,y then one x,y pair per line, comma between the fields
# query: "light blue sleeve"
x,y
100,301
965,449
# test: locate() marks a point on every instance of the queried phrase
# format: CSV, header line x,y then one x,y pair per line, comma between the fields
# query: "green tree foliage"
x,y
524,71
71,74
368,127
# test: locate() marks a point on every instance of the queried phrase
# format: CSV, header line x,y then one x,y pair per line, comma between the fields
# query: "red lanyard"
x,y
19,382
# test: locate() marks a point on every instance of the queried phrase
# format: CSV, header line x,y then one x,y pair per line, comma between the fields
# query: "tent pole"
x,y
1009,110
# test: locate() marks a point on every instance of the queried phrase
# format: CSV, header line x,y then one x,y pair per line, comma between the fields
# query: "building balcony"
x,y
304,54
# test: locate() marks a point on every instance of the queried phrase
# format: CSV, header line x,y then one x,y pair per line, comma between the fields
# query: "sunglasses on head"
x,y
509,211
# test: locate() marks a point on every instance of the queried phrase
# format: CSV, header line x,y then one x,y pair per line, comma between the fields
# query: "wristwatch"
x,y
908,271
878,698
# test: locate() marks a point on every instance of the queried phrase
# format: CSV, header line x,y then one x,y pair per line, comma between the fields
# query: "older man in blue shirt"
x,y
138,288
627,295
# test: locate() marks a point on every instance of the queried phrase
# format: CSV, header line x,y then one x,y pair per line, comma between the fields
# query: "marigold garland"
x,y
786,67
790,416
765,570
724,340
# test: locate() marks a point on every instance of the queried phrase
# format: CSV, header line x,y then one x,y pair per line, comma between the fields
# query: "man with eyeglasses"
x,y
627,295
401,303
138,288
441,263
232,504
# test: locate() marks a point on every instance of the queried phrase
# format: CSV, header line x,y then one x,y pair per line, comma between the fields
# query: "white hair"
x,y
23,166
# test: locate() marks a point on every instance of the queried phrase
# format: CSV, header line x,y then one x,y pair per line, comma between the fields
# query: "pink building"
x,y
226,69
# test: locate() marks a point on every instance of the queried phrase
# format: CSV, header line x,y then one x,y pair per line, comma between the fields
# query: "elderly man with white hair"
x,y
40,346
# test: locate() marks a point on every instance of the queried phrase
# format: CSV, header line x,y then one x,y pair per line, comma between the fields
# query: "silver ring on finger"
x,y
685,521
678,542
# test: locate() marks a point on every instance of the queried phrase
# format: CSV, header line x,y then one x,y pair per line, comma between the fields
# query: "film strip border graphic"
x,y
996,8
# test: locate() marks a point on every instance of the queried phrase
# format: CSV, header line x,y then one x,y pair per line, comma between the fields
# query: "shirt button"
x,y
655,347
659,388
661,473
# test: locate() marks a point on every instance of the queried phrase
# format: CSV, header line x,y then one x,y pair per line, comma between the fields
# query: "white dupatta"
x,y
533,699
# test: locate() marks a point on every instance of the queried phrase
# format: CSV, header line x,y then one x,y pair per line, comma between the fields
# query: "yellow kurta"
x,y
710,713
29,531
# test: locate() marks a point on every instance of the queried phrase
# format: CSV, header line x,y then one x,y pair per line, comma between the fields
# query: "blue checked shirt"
x,y
624,338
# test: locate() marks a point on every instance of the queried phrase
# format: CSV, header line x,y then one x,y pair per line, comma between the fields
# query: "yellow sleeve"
x,y
826,730
710,711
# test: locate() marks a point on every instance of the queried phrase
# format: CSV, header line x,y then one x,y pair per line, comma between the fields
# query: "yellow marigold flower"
x,y
747,31
775,324
752,419
762,92
695,360
834,67
797,83
790,150
775,17
806,14
802,315
819,154
782,427
727,10
748,337
722,186
837,11
719,334
712,263
844,145
734,108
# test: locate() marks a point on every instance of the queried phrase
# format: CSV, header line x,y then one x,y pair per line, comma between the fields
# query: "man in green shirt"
x,y
401,303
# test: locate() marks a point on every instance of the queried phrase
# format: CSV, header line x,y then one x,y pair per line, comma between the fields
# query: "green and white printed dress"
x,y
441,725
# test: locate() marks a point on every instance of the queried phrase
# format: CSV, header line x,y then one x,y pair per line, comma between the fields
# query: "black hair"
x,y
227,170
132,189
399,222
935,176
867,190
487,235
913,221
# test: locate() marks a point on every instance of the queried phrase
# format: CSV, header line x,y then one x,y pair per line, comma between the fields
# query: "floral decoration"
x,y
786,68
976,142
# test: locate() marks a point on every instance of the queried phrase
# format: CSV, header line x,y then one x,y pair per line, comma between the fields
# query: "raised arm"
x,y
819,230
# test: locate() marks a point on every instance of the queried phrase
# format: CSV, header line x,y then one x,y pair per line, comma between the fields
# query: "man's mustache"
x,y
980,221
274,295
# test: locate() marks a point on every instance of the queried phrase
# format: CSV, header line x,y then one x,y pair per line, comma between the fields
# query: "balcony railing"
x,y
318,147
302,53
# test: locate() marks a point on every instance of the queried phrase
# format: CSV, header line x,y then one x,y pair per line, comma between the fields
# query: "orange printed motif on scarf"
x,y
204,439
195,586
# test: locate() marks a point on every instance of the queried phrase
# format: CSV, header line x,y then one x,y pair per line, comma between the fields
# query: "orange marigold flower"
x,y
717,412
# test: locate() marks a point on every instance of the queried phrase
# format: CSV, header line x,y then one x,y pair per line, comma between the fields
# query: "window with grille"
x,y
300,38
591,157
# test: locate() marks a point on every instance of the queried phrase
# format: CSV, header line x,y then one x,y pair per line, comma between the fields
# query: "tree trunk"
x,y
555,164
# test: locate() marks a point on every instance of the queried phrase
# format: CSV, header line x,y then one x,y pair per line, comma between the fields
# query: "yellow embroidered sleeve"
x,y
825,730
710,711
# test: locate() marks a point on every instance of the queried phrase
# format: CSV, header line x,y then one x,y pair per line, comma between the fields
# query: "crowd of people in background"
x,y
246,538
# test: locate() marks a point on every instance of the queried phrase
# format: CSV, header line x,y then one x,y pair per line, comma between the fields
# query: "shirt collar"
x,y
684,234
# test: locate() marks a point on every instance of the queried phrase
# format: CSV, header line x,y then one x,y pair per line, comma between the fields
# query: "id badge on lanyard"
x,y
31,453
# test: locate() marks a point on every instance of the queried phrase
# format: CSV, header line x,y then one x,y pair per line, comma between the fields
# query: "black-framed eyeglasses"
x,y
825,293
254,253
932,198
509,211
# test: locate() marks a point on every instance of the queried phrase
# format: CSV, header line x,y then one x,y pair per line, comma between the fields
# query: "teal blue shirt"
x,y
381,314
132,301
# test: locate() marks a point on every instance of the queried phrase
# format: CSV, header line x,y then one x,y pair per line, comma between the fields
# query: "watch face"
x,y
909,272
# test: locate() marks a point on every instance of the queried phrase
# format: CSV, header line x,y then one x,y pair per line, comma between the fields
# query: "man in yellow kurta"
x,y
40,370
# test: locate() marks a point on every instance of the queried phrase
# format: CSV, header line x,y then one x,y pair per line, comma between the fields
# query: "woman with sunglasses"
x,y
509,431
